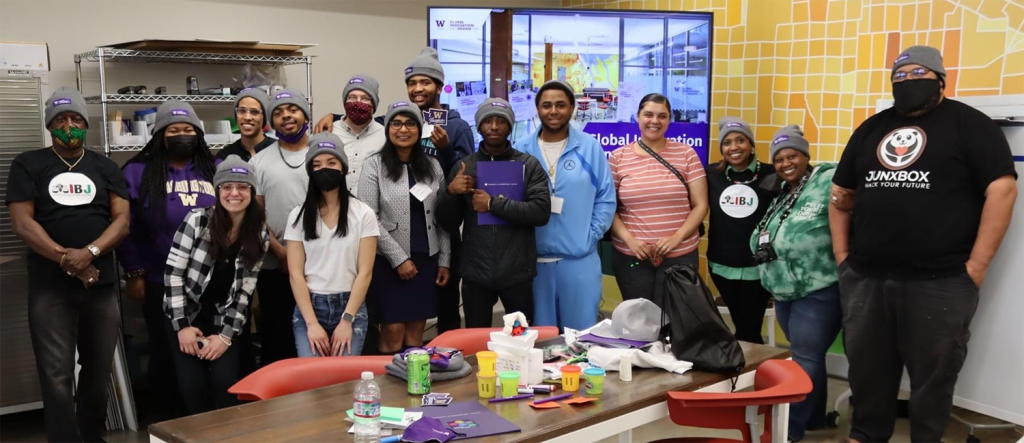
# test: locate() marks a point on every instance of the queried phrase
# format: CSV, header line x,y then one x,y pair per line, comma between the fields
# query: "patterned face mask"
x,y
68,137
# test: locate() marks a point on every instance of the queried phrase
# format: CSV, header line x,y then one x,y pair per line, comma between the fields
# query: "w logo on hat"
x,y
499,104
780,139
408,70
734,125
355,80
182,112
62,101
239,171
283,95
327,145
902,57
399,105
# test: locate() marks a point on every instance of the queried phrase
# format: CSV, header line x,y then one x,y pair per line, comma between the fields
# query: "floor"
x,y
27,427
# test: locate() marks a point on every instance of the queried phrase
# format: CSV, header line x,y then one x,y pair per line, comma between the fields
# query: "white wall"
x,y
377,37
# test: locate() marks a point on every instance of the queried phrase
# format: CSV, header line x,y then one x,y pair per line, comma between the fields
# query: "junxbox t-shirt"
x,y
920,185
73,207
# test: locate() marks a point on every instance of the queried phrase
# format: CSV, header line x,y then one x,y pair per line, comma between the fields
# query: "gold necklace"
x,y
70,166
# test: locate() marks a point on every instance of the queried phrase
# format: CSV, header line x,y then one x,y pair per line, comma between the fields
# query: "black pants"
x,y
164,401
448,296
61,316
643,280
922,324
204,384
747,300
478,302
277,304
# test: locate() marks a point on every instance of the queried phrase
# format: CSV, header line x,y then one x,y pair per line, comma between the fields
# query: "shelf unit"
x,y
104,55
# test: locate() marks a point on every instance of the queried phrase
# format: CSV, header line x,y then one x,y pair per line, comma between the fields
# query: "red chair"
x,y
473,340
776,382
293,375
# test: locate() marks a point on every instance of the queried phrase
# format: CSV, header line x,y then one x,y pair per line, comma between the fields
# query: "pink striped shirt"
x,y
653,204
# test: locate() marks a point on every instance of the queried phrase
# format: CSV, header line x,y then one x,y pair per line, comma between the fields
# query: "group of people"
x,y
363,230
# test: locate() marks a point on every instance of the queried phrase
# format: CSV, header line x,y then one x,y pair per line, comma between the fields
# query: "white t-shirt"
x,y
331,261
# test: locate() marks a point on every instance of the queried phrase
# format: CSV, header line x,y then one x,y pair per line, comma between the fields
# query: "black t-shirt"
x,y
736,208
236,148
219,286
72,207
920,185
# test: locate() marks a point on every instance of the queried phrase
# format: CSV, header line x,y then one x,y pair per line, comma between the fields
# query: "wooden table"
x,y
318,415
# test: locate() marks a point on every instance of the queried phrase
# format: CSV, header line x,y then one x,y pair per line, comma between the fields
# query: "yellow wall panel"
x,y
992,8
988,77
1013,84
984,46
801,12
892,18
1014,63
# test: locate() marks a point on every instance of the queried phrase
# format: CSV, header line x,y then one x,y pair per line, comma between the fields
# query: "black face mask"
x,y
915,95
328,179
181,147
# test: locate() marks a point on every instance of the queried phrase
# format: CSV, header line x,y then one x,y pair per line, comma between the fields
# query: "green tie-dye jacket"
x,y
804,244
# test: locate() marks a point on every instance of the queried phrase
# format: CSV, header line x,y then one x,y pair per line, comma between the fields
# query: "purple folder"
x,y
470,418
500,178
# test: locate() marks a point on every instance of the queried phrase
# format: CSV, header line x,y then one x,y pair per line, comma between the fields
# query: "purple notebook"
x,y
500,178
470,418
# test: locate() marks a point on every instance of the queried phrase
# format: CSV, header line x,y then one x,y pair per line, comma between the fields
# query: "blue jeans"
x,y
811,325
328,309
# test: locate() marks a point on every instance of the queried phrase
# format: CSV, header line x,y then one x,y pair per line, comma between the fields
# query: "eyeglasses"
x,y
253,112
230,188
913,74
409,124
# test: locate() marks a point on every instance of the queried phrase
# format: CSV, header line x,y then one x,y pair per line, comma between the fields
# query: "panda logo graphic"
x,y
902,148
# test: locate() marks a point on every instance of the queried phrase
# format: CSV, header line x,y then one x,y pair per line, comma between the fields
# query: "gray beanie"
x,y
403,107
259,96
363,83
325,143
495,106
174,111
235,170
926,56
426,64
728,125
789,137
290,97
66,99
556,84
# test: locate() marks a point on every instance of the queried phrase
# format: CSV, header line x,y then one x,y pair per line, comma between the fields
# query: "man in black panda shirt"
x,y
921,200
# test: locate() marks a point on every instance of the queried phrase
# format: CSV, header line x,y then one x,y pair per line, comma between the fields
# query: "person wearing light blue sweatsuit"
x,y
567,289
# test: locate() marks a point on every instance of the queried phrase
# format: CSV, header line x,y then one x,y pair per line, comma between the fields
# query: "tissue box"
x,y
528,362
524,341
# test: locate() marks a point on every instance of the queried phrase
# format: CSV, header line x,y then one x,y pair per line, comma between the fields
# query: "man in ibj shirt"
x,y
931,186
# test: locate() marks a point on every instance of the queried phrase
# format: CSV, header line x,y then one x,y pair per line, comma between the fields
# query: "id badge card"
x,y
556,204
763,238
420,191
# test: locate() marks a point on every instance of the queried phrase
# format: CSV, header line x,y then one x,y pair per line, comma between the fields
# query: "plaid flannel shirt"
x,y
188,271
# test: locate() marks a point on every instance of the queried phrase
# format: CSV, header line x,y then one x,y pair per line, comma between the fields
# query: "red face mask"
x,y
358,112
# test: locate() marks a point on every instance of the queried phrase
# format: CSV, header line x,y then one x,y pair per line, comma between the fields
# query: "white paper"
x,y
420,191
556,204
630,94
523,104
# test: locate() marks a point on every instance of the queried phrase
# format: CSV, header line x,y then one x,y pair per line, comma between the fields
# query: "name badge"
x,y
420,191
764,237
556,204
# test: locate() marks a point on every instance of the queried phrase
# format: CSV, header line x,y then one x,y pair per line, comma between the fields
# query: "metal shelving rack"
x,y
103,55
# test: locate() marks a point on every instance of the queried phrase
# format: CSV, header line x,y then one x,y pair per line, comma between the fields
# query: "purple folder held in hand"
x,y
500,178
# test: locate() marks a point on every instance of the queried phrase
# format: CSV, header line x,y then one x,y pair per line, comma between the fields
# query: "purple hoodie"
x,y
149,241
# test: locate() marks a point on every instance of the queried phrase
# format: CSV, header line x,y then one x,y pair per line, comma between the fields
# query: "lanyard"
x,y
786,207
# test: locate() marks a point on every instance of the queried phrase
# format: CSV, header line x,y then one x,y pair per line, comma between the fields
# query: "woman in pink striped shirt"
x,y
658,216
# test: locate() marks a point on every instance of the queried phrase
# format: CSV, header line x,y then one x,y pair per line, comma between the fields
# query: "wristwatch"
x,y
95,250
348,317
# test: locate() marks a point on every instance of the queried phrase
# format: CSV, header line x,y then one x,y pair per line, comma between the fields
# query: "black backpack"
x,y
695,328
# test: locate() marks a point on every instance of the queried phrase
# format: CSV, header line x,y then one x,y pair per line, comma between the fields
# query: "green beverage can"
x,y
417,366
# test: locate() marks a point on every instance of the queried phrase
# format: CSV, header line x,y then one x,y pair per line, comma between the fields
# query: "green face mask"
x,y
68,137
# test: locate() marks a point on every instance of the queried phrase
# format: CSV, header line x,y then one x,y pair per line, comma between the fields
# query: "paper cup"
x,y
570,378
486,385
487,360
509,383
594,380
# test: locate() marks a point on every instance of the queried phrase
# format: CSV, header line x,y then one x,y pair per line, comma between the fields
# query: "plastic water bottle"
x,y
366,408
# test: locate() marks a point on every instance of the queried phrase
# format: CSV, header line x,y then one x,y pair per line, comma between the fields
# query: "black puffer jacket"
x,y
498,256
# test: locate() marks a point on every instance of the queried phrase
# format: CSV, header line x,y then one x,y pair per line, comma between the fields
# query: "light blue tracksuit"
x,y
567,293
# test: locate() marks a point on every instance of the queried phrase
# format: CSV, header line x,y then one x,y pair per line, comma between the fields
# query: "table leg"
x,y
780,430
626,436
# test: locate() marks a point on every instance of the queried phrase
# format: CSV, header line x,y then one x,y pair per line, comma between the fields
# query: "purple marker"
x,y
554,398
515,397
